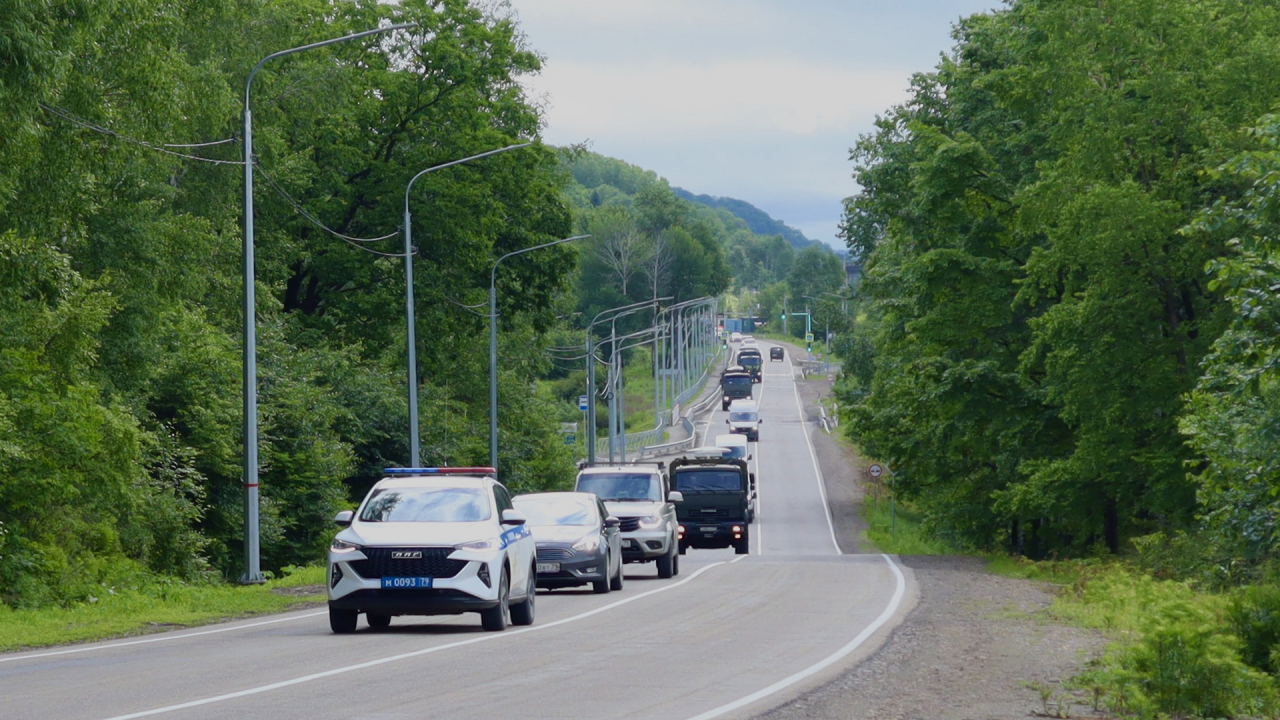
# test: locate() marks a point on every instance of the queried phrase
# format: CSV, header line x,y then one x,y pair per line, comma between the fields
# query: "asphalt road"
x,y
730,636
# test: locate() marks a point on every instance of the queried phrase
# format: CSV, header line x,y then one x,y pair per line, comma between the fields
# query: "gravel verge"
x,y
977,646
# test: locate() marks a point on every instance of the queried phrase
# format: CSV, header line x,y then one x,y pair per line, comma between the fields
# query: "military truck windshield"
x,y
742,417
622,486
708,481
736,382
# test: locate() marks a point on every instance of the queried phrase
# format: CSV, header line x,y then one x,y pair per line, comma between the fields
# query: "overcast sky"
x,y
758,100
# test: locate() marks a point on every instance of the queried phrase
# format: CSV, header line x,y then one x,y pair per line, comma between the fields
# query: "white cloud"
x,y
728,98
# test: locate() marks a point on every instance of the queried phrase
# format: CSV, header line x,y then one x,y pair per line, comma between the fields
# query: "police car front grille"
x,y
629,524
551,554
434,562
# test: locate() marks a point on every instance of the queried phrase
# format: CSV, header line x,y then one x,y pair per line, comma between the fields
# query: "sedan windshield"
x,y
557,511
708,481
426,505
622,486
742,417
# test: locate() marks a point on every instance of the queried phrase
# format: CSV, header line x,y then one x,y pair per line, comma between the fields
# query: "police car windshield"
x,y
741,416
708,481
737,381
427,505
622,486
557,511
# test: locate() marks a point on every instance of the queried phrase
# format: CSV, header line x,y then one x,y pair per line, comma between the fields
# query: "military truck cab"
x,y
735,384
751,361
717,502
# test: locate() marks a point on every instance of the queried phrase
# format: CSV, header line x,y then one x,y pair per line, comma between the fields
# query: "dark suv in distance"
x,y
776,353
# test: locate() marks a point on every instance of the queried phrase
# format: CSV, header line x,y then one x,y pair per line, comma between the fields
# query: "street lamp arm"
x,y
493,273
451,163
629,308
314,45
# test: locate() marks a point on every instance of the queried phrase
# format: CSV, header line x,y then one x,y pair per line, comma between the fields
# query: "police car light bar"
x,y
441,471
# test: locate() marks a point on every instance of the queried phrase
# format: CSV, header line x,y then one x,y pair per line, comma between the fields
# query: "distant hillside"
x,y
758,220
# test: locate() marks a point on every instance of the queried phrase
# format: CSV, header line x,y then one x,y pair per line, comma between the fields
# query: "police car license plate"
x,y
400,583
548,567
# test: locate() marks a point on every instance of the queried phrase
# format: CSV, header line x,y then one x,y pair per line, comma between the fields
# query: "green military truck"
x,y
751,361
717,502
735,384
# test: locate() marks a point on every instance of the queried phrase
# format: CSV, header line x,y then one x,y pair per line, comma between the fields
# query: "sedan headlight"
x,y
342,546
650,522
587,543
480,545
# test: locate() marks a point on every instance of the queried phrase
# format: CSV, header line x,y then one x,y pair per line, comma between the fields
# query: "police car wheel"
x,y
522,612
378,622
496,618
343,621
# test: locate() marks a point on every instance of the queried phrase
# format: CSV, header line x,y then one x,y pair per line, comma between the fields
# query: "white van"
x,y
736,444
744,418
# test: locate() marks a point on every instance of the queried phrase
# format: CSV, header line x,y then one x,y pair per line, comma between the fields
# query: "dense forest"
x,y
121,309
1066,338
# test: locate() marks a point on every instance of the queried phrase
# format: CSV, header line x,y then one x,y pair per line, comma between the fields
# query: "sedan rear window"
x,y
557,511
427,505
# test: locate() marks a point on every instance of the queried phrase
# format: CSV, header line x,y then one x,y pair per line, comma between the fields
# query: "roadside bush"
x,y
1177,655
1254,614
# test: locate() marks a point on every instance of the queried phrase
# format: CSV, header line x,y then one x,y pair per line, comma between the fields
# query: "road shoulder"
x,y
976,645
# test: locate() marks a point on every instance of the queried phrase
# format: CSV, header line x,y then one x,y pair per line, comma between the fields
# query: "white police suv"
x,y
433,541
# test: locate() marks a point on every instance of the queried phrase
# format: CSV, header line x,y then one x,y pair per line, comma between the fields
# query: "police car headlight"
x,y
342,546
650,522
479,545
587,543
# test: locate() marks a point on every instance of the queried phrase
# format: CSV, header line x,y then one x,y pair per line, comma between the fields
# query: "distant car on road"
x,y
735,337
577,540
432,541
638,494
744,417
777,353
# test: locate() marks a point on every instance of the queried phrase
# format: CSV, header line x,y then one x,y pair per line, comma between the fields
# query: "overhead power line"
x,y
158,147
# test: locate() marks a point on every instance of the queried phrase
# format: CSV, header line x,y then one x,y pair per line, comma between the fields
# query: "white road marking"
x,y
831,525
404,656
161,638
853,644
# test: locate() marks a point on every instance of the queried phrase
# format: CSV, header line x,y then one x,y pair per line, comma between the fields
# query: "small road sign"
x,y
808,337
582,403
875,470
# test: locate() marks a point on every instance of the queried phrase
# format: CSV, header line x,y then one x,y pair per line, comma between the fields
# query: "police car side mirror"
x,y
612,522
513,517
675,496
343,519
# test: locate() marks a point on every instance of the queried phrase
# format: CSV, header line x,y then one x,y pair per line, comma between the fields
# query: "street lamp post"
x,y
253,571
591,370
493,342
408,296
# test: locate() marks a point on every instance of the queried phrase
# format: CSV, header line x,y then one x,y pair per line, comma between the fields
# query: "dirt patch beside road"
x,y
977,646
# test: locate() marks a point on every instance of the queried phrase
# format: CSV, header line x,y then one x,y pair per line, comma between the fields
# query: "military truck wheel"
x,y
742,546
683,548
666,564
675,565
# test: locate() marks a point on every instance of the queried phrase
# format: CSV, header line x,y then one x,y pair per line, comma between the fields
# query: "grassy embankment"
x,y
122,613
